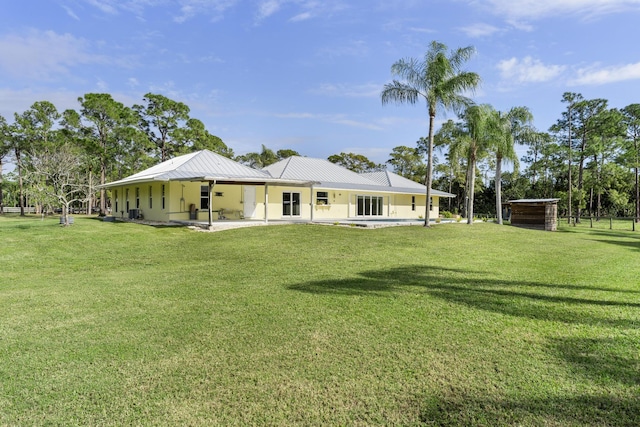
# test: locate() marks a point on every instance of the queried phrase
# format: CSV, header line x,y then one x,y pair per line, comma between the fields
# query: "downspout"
x,y
211,185
266,203
312,204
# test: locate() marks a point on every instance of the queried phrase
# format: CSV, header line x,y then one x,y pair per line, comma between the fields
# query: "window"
x,y
204,197
290,204
430,203
127,199
137,197
162,196
369,205
115,196
322,198
150,197
413,203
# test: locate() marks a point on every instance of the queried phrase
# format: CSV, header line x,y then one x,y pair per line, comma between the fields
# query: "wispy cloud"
x,y
71,13
528,70
43,54
341,119
351,48
267,8
301,17
213,8
479,30
369,90
536,9
596,75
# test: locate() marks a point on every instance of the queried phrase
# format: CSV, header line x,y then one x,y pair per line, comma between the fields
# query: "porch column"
x,y
266,203
211,185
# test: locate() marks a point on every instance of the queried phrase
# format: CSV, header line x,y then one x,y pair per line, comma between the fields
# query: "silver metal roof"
x,y
330,175
204,165
295,171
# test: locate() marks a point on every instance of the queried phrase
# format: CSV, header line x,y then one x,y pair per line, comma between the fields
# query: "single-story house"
x,y
204,186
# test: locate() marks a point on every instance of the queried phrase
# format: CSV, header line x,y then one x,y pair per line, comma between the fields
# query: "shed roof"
x,y
534,201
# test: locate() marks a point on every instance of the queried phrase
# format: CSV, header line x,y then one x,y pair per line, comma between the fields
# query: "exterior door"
x,y
290,204
249,201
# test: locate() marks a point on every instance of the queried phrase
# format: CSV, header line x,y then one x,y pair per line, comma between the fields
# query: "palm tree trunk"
x,y
498,183
471,187
427,208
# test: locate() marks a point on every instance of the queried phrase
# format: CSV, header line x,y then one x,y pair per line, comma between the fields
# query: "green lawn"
x,y
125,324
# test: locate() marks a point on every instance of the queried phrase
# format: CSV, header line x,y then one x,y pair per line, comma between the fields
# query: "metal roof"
x,y
330,175
204,165
533,201
295,171
388,178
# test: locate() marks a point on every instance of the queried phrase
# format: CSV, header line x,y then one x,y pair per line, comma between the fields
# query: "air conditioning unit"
x,y
134,213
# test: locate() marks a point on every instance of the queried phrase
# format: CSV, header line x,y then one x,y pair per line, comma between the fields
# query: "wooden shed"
x,y
541,214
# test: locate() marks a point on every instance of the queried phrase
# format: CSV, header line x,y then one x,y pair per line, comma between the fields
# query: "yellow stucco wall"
x,y
179,196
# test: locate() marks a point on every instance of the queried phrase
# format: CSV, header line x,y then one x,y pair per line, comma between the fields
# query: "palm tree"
x,y
506,129
440,80
471,140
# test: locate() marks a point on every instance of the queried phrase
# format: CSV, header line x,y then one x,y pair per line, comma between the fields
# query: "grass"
x,y
124,324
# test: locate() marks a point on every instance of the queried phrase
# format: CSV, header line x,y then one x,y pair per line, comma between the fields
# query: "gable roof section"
x,y
203,165
330,175
388,178
321,170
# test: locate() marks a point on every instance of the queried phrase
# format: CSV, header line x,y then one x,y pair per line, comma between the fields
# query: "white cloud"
x,y
330,118
214,8
598,76
369,90
479,30
269,7
352,48
301,17
44,54
536,9
71,13
528,70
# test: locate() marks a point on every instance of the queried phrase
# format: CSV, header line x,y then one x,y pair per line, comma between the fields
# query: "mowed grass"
x,y
126,324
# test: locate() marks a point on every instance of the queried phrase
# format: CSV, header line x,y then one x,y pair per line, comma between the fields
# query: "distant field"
x,y
124,324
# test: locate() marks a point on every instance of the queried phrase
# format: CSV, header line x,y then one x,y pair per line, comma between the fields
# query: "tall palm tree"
x,y
440,81
472,141
507,129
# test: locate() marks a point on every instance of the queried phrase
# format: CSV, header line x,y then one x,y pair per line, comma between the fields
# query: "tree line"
x,y
589,158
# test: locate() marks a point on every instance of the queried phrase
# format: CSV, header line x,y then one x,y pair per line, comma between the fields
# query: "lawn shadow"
x,y
587,410
628,239
480,290
119,221
602,360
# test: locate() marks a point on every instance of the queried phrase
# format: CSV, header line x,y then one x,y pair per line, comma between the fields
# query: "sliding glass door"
x,y
370,205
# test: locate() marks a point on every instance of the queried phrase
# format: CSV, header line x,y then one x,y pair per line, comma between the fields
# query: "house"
x,y
204,186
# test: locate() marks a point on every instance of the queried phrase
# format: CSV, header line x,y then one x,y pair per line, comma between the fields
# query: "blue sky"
x,y
307,74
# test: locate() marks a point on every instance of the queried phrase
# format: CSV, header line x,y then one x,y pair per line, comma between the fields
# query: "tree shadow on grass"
x,y
477,289
611,363
588,410
602,360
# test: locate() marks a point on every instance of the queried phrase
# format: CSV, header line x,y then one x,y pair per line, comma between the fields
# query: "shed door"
x,y
249,201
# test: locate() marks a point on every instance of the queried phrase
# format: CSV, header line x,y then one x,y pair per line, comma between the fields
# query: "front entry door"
x,y
249,201
290,204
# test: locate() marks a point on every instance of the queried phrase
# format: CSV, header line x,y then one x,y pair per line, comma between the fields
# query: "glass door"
x,y
290,204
